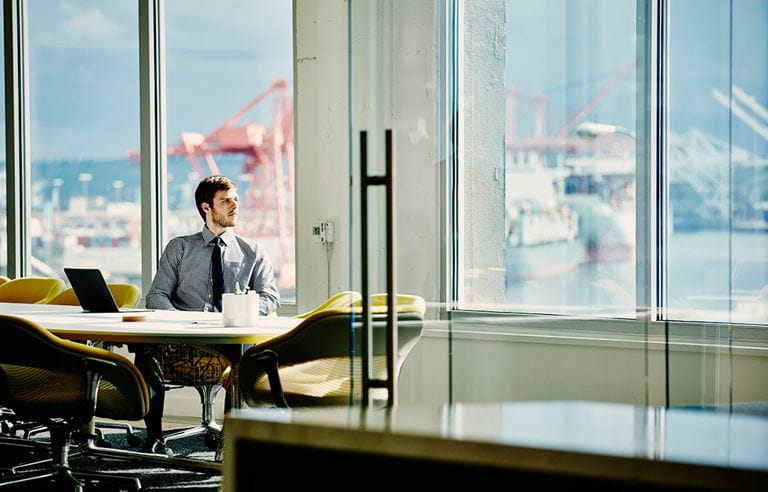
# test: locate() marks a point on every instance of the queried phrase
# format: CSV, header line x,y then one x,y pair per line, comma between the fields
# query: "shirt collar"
x,y
226,237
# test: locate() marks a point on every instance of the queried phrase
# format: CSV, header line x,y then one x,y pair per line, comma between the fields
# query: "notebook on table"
x,y
92,291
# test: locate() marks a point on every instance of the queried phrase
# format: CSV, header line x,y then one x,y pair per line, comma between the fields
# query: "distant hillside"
x,y
105,172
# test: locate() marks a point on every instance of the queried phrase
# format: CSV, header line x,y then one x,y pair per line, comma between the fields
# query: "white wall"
x,y
543,364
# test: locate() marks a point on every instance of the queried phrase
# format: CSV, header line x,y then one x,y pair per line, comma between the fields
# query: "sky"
x,y
84,69
221,54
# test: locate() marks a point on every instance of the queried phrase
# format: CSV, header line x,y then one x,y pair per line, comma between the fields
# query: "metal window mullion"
x,y
661,190
644,178
17,162
152,135
644,162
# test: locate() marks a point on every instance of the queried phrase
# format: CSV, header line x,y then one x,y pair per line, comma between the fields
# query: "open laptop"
x,y
92,291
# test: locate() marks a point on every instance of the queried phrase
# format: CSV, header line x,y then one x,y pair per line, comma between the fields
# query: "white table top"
x,y
613,441
158,326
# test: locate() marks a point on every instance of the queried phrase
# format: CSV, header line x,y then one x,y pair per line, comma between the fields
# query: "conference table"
x,y
200,328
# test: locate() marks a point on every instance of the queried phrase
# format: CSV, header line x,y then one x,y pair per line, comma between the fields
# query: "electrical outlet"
x,y
317,233
327,230
322,232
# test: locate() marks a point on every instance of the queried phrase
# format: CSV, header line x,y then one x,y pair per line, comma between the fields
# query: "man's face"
x,y
224,210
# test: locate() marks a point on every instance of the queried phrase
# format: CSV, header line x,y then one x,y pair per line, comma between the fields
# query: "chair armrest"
x,y
258,364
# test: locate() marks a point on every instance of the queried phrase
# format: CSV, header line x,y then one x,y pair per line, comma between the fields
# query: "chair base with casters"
x,y
60,474
208,426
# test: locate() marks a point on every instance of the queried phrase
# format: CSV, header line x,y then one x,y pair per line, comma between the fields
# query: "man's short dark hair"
x,y
208,187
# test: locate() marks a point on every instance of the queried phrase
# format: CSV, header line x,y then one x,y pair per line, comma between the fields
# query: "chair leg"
x,y
131,436
61,473
63,477
208,425
104,477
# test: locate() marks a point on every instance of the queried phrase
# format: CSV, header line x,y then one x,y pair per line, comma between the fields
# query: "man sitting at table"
x,y
193,273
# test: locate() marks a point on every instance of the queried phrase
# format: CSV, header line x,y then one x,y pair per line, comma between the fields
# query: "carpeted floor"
x,y
152,478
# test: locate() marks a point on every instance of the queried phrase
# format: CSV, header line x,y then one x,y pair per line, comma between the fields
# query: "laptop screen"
x,y
91,290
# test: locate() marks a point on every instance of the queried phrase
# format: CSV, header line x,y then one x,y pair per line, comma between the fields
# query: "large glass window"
x,y
230,111
83,64
560,92
716,249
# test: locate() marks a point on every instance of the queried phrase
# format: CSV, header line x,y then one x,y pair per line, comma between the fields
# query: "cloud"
x,y
88,24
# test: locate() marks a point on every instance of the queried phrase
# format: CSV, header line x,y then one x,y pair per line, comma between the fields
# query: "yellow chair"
x,y
65,384
310,365
126,296
340,300
31,290
3,279
380,300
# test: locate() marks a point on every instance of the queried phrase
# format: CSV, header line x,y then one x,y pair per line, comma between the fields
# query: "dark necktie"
x,y
217,275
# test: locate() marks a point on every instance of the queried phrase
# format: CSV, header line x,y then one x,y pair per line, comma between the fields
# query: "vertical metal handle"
x,y
391,294
366,346
366,338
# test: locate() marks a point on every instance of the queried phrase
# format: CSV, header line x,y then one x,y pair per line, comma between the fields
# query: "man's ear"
x,y
205,207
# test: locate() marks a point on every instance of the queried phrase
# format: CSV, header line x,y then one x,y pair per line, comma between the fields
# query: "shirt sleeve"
x,y
263,281
166,279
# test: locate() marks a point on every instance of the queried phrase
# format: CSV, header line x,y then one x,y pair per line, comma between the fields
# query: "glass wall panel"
x,y
230,111
549,215
546,202
399,72
473,154
84,93
716,257
715,253
3,202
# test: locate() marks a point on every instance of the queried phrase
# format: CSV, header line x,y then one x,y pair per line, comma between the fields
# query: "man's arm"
x,y
263,281
166,279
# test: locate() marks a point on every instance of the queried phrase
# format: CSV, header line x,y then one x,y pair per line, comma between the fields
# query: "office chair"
x,y
310,365
201,367
31,290
65,384
126,296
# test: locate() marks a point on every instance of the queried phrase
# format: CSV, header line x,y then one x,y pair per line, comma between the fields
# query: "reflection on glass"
x,y
569,157
83,59
717,198
230,111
